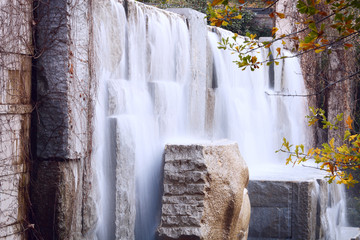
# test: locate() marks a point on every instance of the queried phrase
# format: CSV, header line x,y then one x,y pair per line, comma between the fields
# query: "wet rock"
x,y
205,194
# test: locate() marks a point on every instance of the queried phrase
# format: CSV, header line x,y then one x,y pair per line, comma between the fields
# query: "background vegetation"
x,y
247,24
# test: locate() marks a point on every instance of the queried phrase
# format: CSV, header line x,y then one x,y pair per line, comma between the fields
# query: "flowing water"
x,y
143,71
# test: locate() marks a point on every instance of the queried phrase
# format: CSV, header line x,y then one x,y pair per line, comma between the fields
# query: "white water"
x,y
143,72
145,94
246,109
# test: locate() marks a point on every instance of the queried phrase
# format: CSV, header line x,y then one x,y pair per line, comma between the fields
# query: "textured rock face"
x,y
288,209
62,168
205,194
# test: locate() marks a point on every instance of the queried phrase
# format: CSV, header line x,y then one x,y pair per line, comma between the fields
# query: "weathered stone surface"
x,y
57,195
63,78
244,217
205,194
15,109
62,122
124,161
270,193
288,209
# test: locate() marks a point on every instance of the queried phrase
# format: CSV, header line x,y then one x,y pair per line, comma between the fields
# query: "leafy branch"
x,y
343,16
335,160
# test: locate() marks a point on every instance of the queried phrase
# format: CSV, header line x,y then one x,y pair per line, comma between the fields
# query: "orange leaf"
x,y
349,122
324,41
253,59
71,70
280,15
348,45
274,30
216,2
278,50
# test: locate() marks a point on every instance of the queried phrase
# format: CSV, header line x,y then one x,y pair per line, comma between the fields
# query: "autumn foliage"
x,y
343,17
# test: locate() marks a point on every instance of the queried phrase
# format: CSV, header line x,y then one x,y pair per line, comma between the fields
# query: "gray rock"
x,y
288,209
205,194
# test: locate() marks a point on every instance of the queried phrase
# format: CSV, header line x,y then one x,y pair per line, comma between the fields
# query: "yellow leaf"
x,y
288,160
237,17
313,121
332,143
274,30
352,137
283,42
319,50
310,152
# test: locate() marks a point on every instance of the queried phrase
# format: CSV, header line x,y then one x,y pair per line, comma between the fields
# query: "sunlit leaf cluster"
x,y
343,16
336,160
223,16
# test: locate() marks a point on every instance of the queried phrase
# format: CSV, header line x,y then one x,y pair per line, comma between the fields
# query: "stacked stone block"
x,y
205,194
288,209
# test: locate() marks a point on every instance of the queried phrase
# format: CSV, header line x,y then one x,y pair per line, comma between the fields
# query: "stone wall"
x,y
62,192
15,107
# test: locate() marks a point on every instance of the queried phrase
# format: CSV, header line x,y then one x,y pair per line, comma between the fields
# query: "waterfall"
x,y
249,111
143,70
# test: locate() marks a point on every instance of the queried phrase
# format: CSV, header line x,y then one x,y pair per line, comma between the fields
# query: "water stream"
x,y
143,69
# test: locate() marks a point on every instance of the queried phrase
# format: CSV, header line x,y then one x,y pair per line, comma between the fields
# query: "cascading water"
x,y
144,78
143,71
247,109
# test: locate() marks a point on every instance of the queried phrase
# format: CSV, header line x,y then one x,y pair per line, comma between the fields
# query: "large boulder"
x,y
205,194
